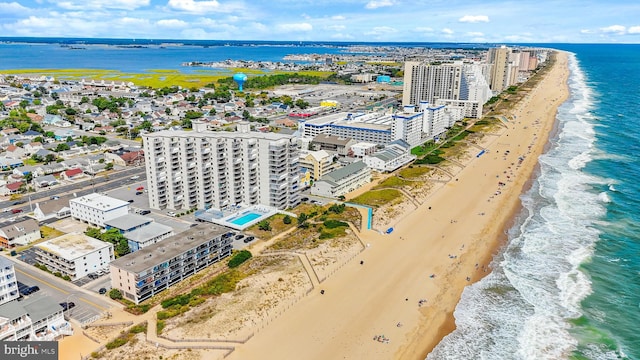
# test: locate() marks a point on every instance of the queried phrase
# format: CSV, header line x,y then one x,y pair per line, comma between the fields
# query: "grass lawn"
x,y
414,172
392,181
378,197
277,227
154,78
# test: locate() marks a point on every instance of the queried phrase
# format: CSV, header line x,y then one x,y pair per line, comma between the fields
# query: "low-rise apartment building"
x,y
96,208
342,181
21,231
75,254
37,318
151,270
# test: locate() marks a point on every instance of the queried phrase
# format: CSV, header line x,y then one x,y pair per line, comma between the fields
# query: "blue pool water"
x,y
245,218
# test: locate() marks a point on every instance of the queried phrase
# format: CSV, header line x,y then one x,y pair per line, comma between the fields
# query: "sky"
x,y
492,21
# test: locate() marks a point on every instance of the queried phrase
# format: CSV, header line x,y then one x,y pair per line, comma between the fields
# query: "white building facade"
x,y
205,169
342,181
8,283
75,255
96,208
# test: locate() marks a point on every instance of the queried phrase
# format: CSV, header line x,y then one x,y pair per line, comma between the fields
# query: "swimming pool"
x,y
246,218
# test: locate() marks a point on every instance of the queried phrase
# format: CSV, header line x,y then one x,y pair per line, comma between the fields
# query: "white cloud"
x,y
338,17
341,36
102,4
586,31
193,6
447,31
13,7
423,29
634,30
336,27
475,34
381,30
293,27
474,18
374,4
136,22
614,29
172,23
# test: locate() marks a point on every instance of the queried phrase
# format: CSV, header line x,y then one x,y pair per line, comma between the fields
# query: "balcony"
x,y
160,160
175,150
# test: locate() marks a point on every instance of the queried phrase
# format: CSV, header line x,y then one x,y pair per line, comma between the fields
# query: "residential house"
x,y
44,181
32,147
20,232
72,174
63,134
12,188
15,152
10,131
52,210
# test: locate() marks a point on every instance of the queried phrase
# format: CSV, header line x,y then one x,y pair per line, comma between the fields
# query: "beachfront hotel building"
x,y
153,269
96,208
8,284
206,169
427,82
394,155
499,59
75,255
454,84
342,181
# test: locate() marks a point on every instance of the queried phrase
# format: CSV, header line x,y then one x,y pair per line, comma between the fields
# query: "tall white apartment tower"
x,y
498,57
426,82
207,169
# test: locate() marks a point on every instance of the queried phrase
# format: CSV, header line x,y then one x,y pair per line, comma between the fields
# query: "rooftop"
x,y
217,134
338,175
148,232
128,221
73,245
163,251
99,201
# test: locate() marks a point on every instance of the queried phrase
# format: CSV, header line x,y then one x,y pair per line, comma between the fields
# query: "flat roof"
x,y
217,134
73,245
99,201
128,221
148,232
169,248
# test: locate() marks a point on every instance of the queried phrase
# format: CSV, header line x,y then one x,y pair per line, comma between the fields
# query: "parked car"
x,y
102,291
130,201
145,212
34,288
67,305
15,211
136,177
249,239
19,202
304,199
239,236
139,192
171,213
54,197
93,276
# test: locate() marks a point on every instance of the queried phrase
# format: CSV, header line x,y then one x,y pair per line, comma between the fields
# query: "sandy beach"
x,y
410,281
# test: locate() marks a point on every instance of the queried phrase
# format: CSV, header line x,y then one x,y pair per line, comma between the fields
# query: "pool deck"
x,y
226,219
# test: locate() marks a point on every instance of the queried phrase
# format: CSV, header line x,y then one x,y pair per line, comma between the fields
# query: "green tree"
x,y
286,219
62,147
115,294
264,225
123,247
109,166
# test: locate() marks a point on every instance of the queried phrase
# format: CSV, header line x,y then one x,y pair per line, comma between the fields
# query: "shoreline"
x,y
448,325
406,284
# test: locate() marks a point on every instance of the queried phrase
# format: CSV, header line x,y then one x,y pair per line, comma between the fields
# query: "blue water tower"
x,y
240,78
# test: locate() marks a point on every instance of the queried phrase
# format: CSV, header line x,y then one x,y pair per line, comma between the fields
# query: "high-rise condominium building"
x,y
206,169
500,68
427,82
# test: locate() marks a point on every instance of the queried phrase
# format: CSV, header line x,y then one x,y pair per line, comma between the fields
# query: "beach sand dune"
x,y
398,303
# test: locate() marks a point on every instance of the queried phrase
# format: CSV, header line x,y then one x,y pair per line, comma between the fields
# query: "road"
x,y
97,184
88,304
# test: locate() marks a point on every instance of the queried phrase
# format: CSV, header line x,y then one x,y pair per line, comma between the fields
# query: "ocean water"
x,y
567,284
